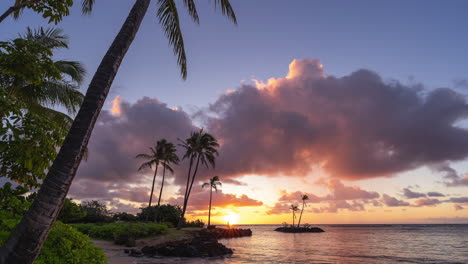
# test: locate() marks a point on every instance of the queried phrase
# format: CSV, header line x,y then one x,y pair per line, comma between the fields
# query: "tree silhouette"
x,y
303,198
213,183
199,147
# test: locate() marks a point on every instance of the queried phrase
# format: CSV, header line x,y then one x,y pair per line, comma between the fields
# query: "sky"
x,y
359,104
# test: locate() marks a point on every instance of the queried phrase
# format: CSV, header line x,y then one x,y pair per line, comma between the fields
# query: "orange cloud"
x,y
116,110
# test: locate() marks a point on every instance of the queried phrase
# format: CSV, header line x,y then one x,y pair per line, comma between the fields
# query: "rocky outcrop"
x,y
230,232
299,229
203,244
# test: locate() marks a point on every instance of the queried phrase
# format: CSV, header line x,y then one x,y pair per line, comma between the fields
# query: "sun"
x,y
231,218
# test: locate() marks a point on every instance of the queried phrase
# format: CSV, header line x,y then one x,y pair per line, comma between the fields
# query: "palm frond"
x,y
169,19
87,6
226,9
192,10
48,37
145,165
144,156
73,69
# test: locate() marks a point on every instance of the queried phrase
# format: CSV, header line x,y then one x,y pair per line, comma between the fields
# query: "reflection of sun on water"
x,y
231,218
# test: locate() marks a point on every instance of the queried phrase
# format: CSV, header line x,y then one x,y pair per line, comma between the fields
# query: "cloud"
x,y
411,195
426,202
458,207
199,200
392,201
340,196
354,127
451,177
435,194
458,200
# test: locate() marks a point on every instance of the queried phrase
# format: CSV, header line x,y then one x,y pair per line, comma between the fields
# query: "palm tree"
x,y
294,209
152,159
25,242
168,156
199,147
213,183
303,198
58,87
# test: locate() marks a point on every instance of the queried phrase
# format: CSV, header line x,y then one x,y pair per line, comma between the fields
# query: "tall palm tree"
x,y
168,157
213,183
25,242
303,198
294,209
199,147
153,159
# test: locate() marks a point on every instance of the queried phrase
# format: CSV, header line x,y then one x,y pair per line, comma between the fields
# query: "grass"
x,y
115,231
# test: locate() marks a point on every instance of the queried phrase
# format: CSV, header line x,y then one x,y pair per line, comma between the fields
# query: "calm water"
x,y
349,244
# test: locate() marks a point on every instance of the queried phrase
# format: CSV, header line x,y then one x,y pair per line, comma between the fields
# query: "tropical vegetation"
x,y
304,198
24,244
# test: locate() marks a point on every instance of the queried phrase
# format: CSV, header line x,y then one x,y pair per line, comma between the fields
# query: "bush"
x,y
196,223
126,217
95,212
167,213
71,212
115,231
64,245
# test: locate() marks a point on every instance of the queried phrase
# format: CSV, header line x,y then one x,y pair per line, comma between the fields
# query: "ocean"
x,y
349,244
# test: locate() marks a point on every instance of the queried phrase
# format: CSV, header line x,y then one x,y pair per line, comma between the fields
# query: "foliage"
x,y
30,81
63,245
167,213
95,212
13,199
71,212
113,231
54,10
196,223
126,217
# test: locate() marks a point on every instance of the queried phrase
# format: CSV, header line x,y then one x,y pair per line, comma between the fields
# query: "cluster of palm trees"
x,y
295,208
200,149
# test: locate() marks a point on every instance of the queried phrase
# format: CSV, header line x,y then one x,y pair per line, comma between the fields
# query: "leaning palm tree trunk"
x,y
25,243
160,193
300,216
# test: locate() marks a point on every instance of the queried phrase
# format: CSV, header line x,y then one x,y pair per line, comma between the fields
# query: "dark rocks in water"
x,y
135,253
203,244
230,232
299,229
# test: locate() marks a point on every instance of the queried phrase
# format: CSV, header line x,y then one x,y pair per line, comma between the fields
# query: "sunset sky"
x,y
361,105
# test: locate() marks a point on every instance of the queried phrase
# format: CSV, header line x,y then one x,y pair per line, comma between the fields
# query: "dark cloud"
x,y
357,126
411,195
458,207
451,177
435,194
341,196
392,201
458,200
426,202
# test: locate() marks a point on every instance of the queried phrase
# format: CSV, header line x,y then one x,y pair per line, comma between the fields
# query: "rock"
x,y
299,229
130,242
230,233
135,253
203,244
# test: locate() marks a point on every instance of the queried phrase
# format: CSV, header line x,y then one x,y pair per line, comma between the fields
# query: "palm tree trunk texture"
x,y
15,8
187,193
209,209
152,190
160,193
300,216
25,242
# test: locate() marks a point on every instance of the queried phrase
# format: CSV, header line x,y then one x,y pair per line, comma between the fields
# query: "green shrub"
x,y
64,245
112,231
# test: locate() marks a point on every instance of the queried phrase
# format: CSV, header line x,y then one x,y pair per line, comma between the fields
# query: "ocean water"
x,y
360,244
